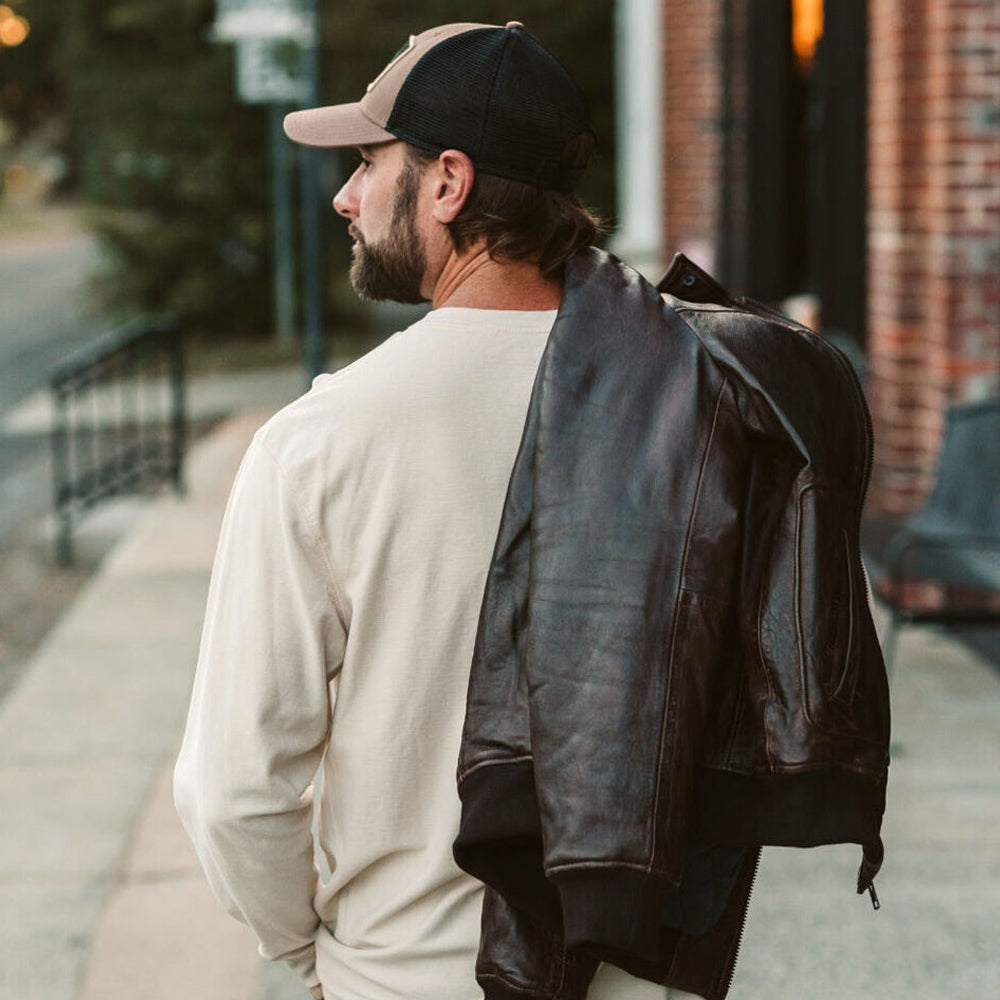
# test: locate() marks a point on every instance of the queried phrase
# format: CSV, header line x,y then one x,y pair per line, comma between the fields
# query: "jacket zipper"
x,y
743,924
869,433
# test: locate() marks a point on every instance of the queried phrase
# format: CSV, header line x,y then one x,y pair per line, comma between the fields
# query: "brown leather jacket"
x,y
675,652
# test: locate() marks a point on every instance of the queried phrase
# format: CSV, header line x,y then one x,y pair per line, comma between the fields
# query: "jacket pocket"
x,y
826,596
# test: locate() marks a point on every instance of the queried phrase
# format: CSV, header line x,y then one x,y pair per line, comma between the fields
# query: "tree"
x,y
177,164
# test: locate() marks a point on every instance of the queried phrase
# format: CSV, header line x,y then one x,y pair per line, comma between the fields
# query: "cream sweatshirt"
x,y
335,656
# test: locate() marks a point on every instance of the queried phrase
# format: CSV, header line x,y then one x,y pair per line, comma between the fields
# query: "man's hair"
x,y
520,221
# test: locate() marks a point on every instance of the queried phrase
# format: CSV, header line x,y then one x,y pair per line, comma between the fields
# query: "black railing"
x,y
119,425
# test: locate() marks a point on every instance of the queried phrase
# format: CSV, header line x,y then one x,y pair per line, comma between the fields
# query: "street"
x,y
44,316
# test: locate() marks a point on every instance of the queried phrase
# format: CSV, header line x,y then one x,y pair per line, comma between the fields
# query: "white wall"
x,y
639,109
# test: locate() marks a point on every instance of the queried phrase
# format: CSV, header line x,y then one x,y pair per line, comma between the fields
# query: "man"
x,y
344,601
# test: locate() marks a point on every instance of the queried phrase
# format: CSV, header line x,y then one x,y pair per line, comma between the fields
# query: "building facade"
x,y
847,156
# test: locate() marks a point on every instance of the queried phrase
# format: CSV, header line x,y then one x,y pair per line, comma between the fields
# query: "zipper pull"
x,y
876,905
871,862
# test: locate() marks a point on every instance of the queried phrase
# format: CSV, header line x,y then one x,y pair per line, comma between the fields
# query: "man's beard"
x,y
394,267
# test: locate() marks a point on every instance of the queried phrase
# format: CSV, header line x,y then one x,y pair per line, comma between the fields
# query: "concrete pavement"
x,y
101,898
99,894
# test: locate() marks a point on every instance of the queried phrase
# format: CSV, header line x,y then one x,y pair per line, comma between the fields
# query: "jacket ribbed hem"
x,y
825,806
828,806
497,989
611,909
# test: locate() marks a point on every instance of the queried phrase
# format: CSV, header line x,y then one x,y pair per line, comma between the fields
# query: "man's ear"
x,y
453,177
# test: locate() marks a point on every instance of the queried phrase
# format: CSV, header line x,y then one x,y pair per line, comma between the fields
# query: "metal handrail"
x,y
119,425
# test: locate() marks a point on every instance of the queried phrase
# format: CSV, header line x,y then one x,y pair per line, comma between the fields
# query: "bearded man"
x,y
346,591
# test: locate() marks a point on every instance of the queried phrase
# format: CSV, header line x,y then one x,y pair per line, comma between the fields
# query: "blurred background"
x,y
170,264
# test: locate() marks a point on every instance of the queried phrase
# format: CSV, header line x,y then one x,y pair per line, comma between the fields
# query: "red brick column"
x,y
692,133
933,229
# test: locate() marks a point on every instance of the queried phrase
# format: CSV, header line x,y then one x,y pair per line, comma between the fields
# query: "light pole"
x,y
284,229
277,63
313,347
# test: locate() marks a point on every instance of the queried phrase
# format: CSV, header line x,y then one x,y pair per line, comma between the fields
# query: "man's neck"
x,y
474,281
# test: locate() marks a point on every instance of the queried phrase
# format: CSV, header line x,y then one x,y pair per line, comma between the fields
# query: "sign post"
x,y
314,352
276,65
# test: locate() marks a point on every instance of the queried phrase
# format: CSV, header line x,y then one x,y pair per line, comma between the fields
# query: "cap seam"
x,y
492,91
404,133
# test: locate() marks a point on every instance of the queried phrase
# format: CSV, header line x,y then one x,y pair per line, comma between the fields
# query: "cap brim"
x,y
334,126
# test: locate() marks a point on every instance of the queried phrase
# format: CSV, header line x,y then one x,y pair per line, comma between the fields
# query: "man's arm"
x,y
260,710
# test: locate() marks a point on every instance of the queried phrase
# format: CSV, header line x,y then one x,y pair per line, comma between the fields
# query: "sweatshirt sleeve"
x,y
272,644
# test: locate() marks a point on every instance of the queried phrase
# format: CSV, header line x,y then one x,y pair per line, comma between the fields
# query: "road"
x,y
44,316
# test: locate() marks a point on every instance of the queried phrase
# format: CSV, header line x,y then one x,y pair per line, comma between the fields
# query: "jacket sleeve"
x,y
271,647
635,548
523,958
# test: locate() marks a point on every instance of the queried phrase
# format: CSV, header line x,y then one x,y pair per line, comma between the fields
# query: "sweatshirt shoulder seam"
x,y
312,528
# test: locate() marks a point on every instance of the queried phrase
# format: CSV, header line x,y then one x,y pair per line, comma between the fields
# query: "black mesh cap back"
x,y
498,96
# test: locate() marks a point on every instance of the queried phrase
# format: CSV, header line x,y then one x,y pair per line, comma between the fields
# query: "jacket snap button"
x,y
689,280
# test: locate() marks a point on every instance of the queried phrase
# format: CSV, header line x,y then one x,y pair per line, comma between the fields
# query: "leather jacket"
x,y
675,650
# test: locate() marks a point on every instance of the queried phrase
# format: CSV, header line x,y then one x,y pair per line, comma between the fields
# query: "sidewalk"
x,y
101,897
99,894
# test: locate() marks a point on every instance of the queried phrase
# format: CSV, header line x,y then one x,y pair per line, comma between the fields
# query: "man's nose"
x,y
345,201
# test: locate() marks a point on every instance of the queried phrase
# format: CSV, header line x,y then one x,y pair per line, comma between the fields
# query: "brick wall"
x,y
933,229
933,226
692,137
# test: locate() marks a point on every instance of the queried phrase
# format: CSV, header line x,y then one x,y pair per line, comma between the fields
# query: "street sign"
x,y
271,37
270,71
256,20
277,64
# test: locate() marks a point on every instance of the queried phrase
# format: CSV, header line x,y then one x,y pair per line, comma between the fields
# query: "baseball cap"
x,y
495,93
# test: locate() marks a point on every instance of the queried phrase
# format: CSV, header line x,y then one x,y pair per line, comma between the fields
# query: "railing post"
x,y
60,465
178,409
96,377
